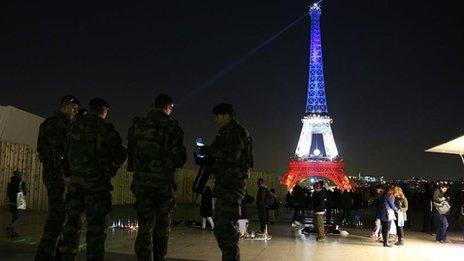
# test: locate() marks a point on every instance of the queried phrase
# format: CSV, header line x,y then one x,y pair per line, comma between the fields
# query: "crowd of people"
x,y
437,205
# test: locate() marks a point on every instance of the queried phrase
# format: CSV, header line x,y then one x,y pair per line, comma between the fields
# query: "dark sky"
x,y
393,71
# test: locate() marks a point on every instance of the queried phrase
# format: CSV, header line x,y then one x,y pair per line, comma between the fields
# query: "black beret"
x,y
163,100
70,99
223,108
96,104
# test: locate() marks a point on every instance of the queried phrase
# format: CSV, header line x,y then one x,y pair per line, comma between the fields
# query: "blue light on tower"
x,y
316,101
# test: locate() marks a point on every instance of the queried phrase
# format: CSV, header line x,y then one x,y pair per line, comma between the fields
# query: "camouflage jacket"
x,y
95,154
52,145
155,148
232,154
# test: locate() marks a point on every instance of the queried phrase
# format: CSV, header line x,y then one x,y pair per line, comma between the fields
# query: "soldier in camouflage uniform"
x,y
95,155
155,150
231,154
52,147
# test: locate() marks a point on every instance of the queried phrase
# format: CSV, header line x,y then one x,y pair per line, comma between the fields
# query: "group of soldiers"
x,y
82,152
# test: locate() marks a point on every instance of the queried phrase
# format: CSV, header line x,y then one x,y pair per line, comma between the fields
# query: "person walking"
x,y
231,154
206,208
155,149
52,148
261,203
95,154
401,202
386,213
16,191
319,205
442,208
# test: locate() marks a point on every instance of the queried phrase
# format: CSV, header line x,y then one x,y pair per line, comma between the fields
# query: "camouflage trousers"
x,y
154,208
227,212
96,208
52,234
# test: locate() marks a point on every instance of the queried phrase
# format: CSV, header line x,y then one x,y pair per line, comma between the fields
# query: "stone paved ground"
x,y
190,243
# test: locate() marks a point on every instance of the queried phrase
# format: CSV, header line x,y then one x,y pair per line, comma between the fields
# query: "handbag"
x,y
20,199
443,208
391,214
400,219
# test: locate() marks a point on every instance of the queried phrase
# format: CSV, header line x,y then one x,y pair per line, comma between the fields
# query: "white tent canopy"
x,y
455,146
19,126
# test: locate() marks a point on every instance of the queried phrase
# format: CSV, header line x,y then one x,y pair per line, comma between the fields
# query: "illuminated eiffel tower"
x,y
316,154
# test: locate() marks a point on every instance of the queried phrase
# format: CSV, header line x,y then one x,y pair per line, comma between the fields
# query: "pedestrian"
x,y
347,204
428,219
441,209
206,208
243,221
337,206
377,233
299,205
402,204
262,203
16,191
386,213
155,149
319,205
272,207
288,200
232,157
95,154
52,148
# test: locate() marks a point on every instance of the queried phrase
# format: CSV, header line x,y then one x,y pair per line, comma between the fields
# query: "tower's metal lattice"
x,y
309,161
316,102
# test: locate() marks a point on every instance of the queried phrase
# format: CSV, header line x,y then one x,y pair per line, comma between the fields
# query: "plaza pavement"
x,y
191,243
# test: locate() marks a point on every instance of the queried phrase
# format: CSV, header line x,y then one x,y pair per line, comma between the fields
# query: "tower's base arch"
x,y
331,170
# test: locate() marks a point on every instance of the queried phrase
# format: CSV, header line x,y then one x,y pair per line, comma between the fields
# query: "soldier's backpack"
x,y
148,138
85,141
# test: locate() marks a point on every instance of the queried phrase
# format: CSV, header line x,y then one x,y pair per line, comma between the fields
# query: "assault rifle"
x,y
204,173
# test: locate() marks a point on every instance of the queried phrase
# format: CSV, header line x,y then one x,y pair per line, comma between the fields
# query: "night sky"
x,y
393,70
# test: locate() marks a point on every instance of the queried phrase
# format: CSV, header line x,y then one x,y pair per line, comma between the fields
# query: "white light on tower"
x,y
317,152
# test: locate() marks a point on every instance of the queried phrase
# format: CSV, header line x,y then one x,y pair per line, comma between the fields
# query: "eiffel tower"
x,y
316,154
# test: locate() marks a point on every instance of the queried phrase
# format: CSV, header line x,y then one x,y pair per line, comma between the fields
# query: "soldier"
x,y
51,146
232,158
155,150
95,155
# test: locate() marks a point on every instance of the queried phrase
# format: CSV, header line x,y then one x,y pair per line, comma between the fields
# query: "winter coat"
x,y
298,197
206,204
402,205
319,201
13,189
438,198
388,203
